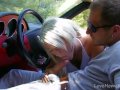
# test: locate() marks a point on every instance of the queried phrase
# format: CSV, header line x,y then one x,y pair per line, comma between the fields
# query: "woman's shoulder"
x,y
92,49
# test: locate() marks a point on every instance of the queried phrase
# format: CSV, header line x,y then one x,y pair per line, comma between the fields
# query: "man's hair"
x,y
110,10
59,32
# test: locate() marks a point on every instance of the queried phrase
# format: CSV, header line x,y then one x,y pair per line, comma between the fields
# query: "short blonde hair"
x,y
59,31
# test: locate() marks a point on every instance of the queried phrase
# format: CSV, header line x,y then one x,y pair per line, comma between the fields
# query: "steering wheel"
x,y
20,38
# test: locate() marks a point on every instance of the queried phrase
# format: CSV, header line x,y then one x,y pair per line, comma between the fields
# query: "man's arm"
x,y
117,81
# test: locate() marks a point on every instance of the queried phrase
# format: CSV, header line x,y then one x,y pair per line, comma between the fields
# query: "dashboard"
x,y
9,54
8,24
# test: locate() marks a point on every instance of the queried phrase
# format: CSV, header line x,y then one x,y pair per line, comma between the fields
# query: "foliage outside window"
x,y
45,8
81,19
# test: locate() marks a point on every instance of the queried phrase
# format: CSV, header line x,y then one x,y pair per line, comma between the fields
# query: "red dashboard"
x,y
9,54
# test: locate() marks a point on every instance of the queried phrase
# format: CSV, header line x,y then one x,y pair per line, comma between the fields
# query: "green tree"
x,y
44,7
81,19
12,5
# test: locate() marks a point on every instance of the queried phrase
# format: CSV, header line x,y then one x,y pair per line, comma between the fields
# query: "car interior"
x,y
19,44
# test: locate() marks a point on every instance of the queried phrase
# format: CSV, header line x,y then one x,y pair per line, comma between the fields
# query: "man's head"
x,y
104,21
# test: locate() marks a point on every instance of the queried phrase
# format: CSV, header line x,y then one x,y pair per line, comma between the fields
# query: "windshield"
x,y
44,7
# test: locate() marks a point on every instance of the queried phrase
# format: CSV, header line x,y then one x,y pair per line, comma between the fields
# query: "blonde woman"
x,y
69,47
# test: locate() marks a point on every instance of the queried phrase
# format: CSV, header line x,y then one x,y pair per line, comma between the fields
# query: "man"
x,y
103,72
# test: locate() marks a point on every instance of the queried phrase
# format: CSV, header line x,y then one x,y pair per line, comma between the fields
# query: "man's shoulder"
x,y
115,48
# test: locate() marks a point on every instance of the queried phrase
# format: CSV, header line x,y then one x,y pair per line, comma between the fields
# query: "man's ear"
x,y
116,30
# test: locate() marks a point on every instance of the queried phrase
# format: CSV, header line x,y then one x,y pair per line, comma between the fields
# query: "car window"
x,y
81,19
45,8
67,5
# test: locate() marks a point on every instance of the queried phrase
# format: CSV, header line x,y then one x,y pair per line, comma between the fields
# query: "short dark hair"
x,y
110,10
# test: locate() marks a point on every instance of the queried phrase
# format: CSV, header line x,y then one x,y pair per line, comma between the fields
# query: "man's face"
x,y
98,32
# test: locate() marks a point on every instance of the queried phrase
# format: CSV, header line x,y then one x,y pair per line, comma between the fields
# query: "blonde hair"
x,y
59,31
